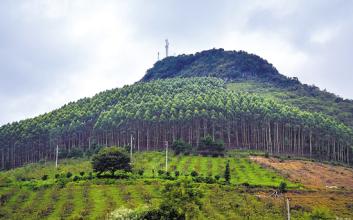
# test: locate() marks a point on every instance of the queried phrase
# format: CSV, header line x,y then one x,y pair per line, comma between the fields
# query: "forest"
x,y
148,115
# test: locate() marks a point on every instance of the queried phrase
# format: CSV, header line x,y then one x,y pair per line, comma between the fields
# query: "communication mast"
x,y
166,47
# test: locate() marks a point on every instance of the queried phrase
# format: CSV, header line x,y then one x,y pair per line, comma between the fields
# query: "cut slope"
x,y
310,174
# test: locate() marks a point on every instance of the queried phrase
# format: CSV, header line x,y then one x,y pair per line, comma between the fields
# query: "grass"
x,y
93,199
242,169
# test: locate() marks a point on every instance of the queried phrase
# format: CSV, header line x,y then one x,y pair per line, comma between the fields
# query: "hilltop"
x,y
240,137
253,74
236,97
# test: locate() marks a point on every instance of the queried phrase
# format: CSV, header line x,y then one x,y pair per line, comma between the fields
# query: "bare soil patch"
x,y
312,175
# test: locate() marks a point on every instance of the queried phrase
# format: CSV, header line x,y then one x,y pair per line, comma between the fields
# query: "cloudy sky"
x,y
56,51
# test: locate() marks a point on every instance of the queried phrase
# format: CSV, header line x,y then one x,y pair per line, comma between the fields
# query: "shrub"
x,y
217,177
179,146
194,173
210,147
320,213
227,173
176,173
68,174
82,173
140,172
57,176
44,177
76,178
160,172
90,175
267,155
282,188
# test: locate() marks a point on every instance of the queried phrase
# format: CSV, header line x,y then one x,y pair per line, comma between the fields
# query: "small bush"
x,y
176,173
282,188
247,185
320,213
217,177
194,173
90,175
140,172
76,178
68,174
160,172
44,177
82,173
57,176
267,155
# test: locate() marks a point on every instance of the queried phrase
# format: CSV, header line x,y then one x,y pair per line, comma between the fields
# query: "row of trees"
x,y
147,115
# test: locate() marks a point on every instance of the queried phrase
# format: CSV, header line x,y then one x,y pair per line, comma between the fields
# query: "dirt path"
x,y
312,175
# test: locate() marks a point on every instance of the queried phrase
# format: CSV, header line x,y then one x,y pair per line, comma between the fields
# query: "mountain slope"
x,y
239,66
149,113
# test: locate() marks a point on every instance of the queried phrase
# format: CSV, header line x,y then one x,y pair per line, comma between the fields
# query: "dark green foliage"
x,y
76,178
227,173
180,147
217,177
45,177
181,104
68,174
194,173
176,173
57,176
210,147
140,172
216,63
111,159
73,153
82,173
282,188
161,172
181,200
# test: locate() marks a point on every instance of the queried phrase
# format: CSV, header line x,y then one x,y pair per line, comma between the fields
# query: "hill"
x,y
146,115
242,67
234,97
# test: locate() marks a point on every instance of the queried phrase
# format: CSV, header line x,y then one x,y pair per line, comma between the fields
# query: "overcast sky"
x,y
56,51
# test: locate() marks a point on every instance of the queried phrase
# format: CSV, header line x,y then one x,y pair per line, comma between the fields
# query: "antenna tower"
x,y
166,47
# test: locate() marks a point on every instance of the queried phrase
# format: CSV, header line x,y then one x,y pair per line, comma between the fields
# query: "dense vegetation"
x,y
148,115
154,112
24,194
239,66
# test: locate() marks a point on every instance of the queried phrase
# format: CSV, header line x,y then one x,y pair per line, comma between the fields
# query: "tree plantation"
x,y
149,115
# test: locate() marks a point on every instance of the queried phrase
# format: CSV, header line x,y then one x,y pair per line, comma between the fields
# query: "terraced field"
x,y
24,195
94,201
242,169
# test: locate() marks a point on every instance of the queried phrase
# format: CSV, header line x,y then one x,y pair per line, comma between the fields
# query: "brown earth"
x,y
312,175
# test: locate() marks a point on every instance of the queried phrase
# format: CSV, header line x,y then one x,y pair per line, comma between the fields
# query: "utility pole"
x,y
56,156
166,156
131,148
288,209
166,47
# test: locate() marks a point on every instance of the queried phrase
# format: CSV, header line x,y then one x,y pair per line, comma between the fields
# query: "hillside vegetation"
x,y
25,194
240,66
147,115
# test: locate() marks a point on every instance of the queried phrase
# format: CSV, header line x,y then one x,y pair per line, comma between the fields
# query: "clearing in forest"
x,y
313,175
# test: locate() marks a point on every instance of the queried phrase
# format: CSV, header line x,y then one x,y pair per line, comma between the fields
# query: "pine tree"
x,y
227,173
